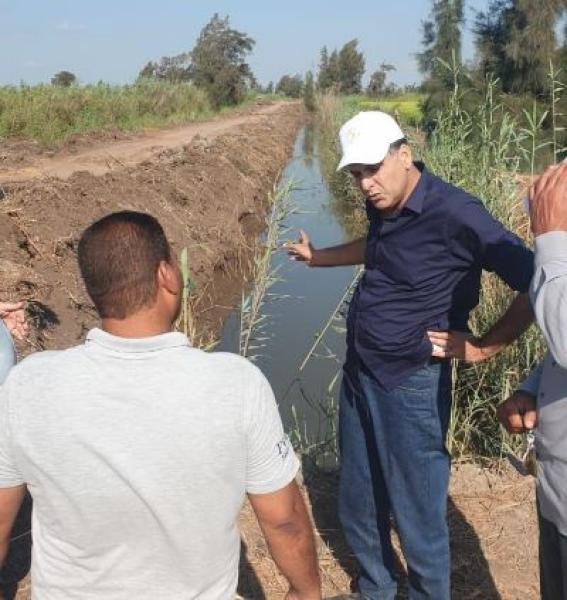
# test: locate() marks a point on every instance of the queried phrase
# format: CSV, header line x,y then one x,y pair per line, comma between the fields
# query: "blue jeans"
x,y
394,463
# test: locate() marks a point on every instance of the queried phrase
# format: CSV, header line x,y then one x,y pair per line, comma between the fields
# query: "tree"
x,y
169,68
323,82
516,40
270,88
441,41
351,68
64,79
218,62
291,86
377,85
333,70
309,92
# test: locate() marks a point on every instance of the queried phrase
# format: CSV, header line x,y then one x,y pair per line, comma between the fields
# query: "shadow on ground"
x,y
249,586
470,574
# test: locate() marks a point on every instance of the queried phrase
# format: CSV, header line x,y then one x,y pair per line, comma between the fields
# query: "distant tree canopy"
x,y
351,68
377,84
290,85
342,70
169,68
516,40
309,92
441,41
217,63
64,79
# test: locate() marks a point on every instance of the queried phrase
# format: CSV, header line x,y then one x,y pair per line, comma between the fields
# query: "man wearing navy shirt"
x,y
426,247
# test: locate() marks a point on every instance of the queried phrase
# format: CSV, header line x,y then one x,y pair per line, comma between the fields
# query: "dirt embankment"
x,y
209,194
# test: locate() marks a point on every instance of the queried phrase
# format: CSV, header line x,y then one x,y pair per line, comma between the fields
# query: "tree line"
x,y
515,42
341,71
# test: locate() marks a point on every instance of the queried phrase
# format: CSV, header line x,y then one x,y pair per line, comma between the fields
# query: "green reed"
x,y
481,150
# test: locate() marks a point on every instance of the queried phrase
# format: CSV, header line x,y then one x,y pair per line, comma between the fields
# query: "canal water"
x,y
300,304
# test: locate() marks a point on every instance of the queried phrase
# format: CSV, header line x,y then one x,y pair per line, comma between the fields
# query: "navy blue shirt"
x,y
422,271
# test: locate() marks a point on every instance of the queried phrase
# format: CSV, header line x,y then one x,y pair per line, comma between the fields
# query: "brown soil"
x,y
210,195
493,540
208,184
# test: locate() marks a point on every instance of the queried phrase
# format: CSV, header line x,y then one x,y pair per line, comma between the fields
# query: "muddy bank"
x,y
210,196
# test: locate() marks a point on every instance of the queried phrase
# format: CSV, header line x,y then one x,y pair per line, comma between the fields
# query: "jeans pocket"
x,y
422,381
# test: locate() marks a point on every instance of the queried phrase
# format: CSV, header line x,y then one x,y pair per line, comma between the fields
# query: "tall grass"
x,y
481,151
253,337
51,114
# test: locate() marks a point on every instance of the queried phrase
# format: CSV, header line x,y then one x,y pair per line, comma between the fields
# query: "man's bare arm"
x,y
286,526
510,326
351,253
10,501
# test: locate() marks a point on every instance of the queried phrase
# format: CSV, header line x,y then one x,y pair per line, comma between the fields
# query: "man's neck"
x,y
140,325
414,176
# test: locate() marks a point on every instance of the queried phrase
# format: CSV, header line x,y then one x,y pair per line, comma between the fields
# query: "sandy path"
x,y
106,156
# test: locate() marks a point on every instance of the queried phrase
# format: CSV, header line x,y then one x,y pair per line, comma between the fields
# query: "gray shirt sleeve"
x,y
271,461
531,382
549,292
9,473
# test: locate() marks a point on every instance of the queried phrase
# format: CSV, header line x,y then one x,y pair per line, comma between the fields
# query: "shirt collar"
x,y
415,200
155,343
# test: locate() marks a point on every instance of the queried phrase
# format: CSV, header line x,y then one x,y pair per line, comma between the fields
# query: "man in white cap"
x,y
426,247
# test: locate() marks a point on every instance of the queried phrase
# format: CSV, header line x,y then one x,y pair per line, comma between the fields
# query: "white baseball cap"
x,y
366,138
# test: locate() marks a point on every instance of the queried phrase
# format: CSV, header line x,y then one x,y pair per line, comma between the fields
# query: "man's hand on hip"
x,y
518,413
457,344
548,201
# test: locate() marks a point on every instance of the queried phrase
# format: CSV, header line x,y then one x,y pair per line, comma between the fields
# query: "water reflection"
x,y
300,306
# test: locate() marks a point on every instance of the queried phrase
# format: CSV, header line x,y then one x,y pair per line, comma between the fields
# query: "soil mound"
x,y
210,195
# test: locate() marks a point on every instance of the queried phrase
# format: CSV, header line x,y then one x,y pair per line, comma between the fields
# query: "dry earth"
x,y
493,531
208,184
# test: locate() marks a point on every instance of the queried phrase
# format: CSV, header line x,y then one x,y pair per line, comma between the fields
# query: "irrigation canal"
x,y
300,304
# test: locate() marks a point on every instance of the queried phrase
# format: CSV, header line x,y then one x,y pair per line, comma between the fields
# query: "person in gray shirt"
x,y
139,450
540,403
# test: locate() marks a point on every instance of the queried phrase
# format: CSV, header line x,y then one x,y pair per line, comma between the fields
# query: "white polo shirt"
x,y
138,454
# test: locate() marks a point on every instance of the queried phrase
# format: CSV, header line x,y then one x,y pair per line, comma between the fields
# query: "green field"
x,y
406,108
51,114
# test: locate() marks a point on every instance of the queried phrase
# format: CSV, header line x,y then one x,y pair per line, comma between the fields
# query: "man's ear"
x,y
406,155
167,277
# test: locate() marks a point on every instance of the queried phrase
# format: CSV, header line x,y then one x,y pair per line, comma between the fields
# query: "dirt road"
x,y
103,157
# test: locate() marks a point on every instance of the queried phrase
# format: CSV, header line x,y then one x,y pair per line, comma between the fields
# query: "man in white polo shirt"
x,y
139,450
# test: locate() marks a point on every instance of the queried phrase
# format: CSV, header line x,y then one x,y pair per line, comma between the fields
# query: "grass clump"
x,y
51,114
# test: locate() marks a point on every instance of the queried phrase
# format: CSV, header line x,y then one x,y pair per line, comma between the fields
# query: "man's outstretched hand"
x,y
302,250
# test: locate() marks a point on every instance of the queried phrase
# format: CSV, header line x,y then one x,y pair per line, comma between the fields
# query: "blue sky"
x,y
111,40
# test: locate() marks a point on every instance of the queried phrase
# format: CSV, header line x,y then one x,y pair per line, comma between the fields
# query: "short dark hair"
x,y
395,146
118,257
